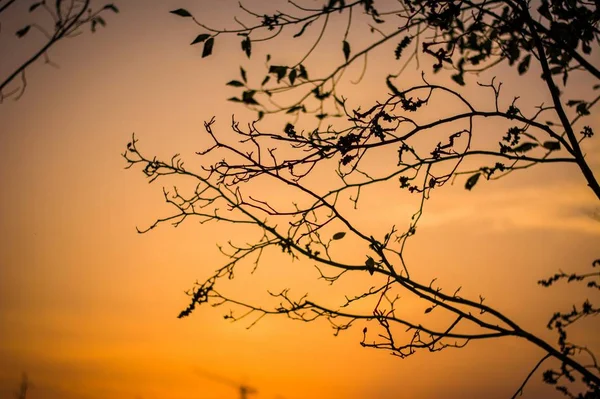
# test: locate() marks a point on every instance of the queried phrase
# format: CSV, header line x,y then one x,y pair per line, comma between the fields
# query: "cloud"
x,y
558,207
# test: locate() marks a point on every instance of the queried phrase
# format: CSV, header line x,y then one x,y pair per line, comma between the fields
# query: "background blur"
x,y
88,307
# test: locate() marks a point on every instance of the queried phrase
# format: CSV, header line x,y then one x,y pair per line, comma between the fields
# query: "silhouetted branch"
x,y
463,37
68,18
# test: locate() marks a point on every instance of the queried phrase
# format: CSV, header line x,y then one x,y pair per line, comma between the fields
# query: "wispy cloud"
x,y
560,207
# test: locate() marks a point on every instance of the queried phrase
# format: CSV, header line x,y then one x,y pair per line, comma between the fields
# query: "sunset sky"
x,y
88,306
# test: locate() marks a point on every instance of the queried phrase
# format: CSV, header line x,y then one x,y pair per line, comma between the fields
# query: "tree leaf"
x,y
303,29
292,76
290,131
528,146
339,236
303,73
370,263
582,109
551,145
280,71
112,7
181,12
296,108
247,46
346,49
428,310
22,32
243,74
235,83
248,97
545,11
458,78
524,64
208,47
472,181
200,38
34,6
556,70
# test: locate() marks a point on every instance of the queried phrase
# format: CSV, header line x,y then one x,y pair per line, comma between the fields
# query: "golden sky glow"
x,y
88,307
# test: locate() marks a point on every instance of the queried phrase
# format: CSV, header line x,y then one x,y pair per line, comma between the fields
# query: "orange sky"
x,y
88,307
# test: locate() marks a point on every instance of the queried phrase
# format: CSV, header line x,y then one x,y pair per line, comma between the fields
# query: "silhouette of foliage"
x,y
68,17
561,321
462,38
